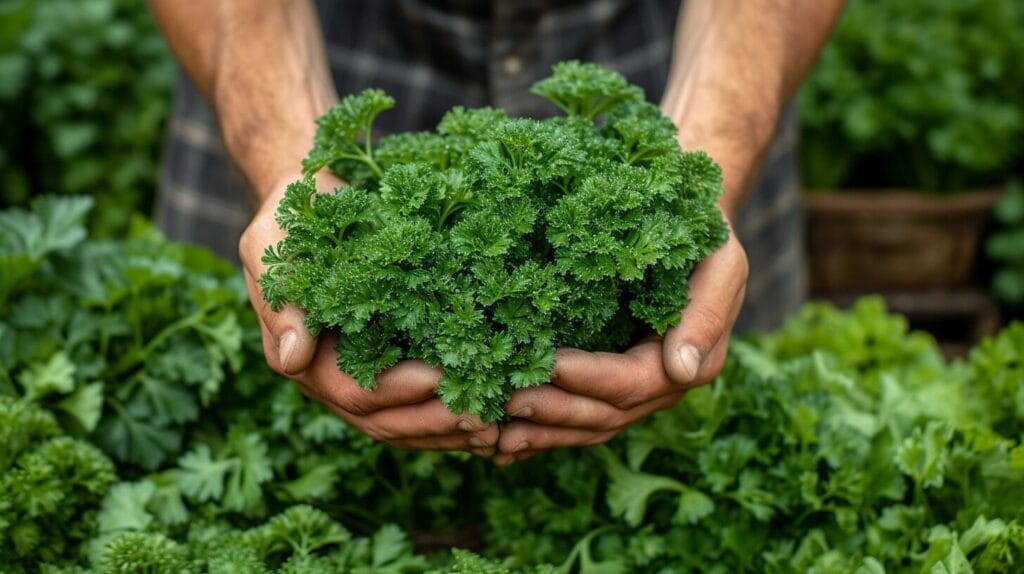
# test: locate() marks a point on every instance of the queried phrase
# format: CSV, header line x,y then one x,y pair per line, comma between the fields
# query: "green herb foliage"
x,y
484,246
85,87
916,93
1006,245
840,443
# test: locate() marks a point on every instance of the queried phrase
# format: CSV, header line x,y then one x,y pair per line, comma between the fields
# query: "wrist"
x,y
267,134
266,153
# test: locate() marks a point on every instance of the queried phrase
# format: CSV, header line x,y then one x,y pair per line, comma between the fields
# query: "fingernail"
x,y
285,350
689,356
475,441
523,413
521,446
465,426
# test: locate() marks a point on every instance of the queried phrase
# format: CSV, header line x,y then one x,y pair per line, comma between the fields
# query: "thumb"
x,y
287,344
693,352
688,347
295,346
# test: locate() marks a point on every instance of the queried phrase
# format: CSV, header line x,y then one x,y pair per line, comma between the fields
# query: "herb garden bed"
x,y
140,430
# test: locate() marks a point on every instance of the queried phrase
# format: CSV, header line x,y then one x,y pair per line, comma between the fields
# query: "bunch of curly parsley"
x,y
483,247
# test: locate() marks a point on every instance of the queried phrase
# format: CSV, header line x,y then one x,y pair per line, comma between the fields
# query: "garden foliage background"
x,y
141,431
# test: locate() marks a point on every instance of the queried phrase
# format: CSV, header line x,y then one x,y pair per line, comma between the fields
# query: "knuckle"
x,y
613,423
464,423
376,433
639,393
358,408
631,399
709,321
248,245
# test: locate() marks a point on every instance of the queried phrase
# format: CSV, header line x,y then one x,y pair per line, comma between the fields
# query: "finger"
x,y
457,442
717,288
292,347
407,383
712,365
552,406
426,419
481,443
503,460
525,435
625,380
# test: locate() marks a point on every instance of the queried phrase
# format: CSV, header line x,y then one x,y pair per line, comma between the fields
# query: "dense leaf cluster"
x,y
126,340
484,246
840,443
144,356
85,88
917,93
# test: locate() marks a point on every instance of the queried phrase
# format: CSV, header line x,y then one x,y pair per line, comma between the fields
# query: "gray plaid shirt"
x,y
434,54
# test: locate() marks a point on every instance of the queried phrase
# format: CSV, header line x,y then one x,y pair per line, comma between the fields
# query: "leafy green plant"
x,y
1006,245
147,353
813,452
842,442
126,340
484,246
916,93
84,93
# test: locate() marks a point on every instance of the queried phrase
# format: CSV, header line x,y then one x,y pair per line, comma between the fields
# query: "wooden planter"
x,y
883,241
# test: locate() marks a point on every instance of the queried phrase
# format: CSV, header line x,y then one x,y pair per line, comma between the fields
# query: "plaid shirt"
x,y
434,54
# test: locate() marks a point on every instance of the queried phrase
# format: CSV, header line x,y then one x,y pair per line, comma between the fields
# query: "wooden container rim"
x,y
884,200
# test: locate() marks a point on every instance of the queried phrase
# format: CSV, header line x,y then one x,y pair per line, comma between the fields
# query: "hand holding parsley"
x,y
404,411
594,396
482,248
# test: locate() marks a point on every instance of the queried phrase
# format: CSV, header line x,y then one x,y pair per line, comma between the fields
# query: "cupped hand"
x,y
593,396
404,411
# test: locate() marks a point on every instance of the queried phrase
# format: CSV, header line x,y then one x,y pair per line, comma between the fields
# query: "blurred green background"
x,y
85,89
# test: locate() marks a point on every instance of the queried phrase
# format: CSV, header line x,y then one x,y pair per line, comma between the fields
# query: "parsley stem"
x,y
139,354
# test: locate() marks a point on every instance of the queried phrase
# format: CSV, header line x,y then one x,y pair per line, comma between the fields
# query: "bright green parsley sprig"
x,y
483,246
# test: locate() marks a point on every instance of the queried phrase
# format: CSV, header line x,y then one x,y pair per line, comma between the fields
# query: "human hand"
x,y
404,411
593,396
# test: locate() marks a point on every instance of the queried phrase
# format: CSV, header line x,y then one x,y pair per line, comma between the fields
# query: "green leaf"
x,y
251,467
130,436
124,508
693,506
56,375
201,477
924,456
85,405
389,544
628,491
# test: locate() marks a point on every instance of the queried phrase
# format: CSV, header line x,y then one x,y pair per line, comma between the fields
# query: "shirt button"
x,y
512,64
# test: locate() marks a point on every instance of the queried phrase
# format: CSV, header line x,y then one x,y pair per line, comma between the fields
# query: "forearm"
x,y
262,68
735,63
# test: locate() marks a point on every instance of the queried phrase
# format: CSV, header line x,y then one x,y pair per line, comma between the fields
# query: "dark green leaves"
x,y
85,88
484,246
344,132
1006,246
586,89
916,93
124,341
842,442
